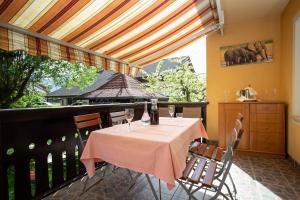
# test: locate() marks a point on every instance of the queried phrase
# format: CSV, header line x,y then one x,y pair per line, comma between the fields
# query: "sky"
x,y
197,52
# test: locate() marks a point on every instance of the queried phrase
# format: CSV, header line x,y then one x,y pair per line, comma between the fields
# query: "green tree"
x,y
180,84
29,99
20,72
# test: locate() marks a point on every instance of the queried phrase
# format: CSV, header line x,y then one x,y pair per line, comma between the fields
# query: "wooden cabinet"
x,y
264,126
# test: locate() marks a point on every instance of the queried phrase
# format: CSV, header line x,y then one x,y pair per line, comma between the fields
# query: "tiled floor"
x,y
256,178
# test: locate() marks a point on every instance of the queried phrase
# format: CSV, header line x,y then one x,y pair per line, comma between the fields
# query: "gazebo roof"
x,y
101,79
109,84
122,86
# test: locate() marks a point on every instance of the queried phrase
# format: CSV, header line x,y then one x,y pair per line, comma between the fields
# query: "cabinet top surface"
x,y
253,102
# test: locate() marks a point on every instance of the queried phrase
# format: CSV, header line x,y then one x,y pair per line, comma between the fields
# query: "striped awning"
x,y
119,34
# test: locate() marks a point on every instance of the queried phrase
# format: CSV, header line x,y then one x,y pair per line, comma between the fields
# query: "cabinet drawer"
x,y
266,127
266,117
266,108
269,143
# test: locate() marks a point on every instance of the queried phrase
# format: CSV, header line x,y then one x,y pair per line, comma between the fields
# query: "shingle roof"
x,y
101,79
109,85
122,86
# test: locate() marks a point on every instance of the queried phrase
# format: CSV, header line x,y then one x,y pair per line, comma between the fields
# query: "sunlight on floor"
x,y
256,178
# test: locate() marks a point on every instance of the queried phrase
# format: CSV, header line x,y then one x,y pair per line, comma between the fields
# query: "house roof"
x,y
122,86
131,32
109,85
101,79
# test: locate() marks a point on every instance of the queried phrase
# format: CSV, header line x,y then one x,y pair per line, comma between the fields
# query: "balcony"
x,y
40,147
243,43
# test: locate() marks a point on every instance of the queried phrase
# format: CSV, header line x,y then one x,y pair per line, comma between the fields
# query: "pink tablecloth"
x,y
160,150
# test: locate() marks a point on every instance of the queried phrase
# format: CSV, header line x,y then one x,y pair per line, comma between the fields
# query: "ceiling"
x,y
236,11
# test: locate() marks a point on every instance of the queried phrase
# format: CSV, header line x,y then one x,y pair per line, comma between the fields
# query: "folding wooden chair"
x,y
192,112
86,124
164,112
116,118
216,154
202,173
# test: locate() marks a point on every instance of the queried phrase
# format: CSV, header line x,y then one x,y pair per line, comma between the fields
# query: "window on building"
x,y
296,74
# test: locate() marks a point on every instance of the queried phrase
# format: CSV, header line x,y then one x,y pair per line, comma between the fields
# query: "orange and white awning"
x,y
128,32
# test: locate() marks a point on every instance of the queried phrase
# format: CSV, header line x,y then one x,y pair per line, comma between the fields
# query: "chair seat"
x,y
199,170
208,151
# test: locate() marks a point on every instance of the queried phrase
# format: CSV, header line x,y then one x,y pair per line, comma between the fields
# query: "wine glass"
x,y
226,95
171,110
129,114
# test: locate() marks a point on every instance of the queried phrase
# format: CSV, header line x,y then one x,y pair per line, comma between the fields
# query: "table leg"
x,y
133,180
159,189
151,186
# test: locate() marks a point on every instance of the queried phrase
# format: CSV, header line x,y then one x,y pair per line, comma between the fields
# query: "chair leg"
x,y
224,196
104,172
84,186
84,189
228,189
151,186
114,169
191,196
190,192
129,172
233,184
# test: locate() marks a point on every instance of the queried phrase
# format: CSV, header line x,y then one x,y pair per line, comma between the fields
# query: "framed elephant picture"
x,y
247,53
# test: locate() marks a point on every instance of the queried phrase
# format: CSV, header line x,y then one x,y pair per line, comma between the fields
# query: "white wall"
x,y
296,86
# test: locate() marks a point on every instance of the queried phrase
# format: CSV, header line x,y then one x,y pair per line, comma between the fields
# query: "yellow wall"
x,y
263,77
287,18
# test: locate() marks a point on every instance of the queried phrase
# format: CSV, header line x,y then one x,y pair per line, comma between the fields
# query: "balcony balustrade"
x,y
40,151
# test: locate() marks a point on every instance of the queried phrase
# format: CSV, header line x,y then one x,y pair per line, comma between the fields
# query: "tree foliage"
x,y
29,100
20,72
180,84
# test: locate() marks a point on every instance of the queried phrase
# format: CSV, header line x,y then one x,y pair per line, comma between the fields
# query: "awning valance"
x,y
134,32
12,40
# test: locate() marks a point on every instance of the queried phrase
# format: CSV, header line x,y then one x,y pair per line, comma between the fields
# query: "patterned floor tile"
x,y
256,178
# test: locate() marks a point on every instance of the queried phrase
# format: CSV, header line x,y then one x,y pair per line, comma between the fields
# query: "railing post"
x,y
3,169
204,113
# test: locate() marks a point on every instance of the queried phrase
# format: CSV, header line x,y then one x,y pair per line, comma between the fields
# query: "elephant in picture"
x,y
229,57
239,55
259,48
251,56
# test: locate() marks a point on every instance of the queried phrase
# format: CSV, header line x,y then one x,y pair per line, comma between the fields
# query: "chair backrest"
x,y
232,143
117,118
232,139
85,124
236,134
192,112
239,130
164,112
222,174
240,117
